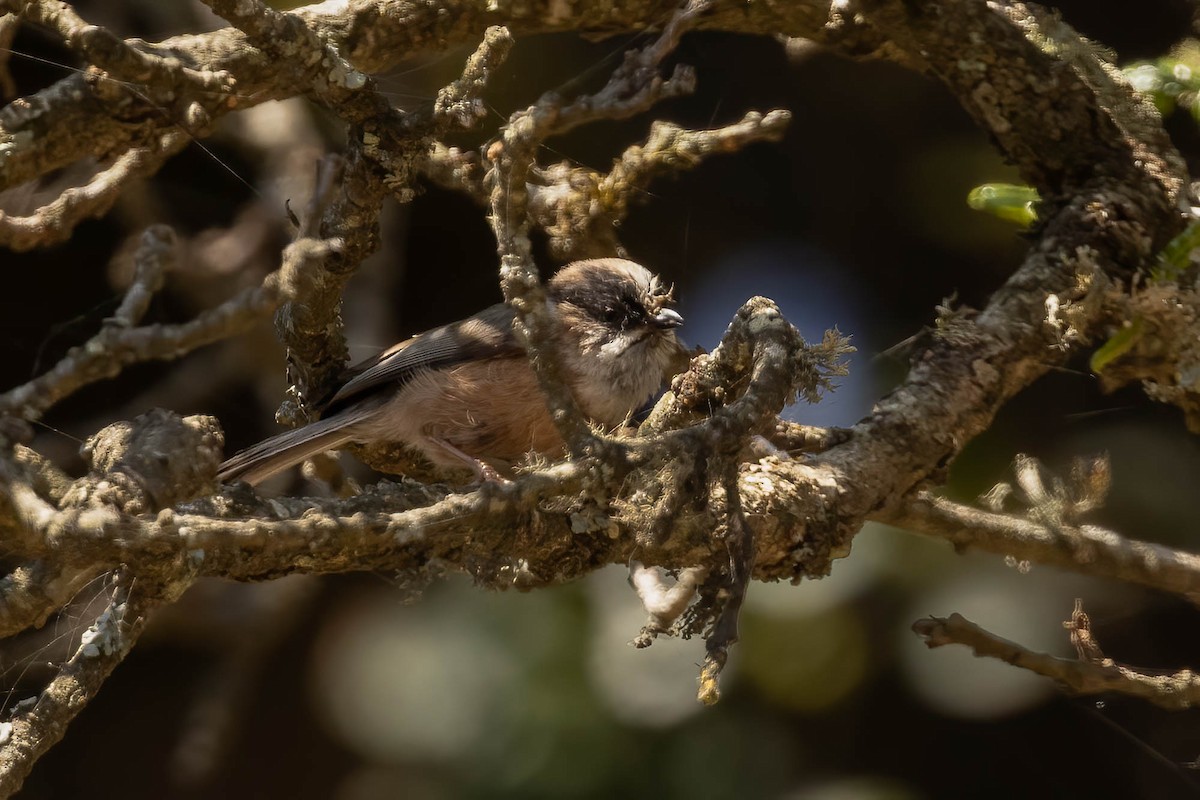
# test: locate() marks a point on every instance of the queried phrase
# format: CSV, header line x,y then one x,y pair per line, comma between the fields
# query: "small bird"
x,y
465,395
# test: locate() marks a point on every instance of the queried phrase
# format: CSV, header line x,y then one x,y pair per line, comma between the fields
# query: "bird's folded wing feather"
x,y
487,334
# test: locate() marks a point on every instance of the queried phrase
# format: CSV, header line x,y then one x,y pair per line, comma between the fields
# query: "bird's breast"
x,y
493,410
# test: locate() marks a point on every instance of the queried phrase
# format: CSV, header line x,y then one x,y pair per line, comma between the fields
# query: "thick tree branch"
x,y
1055,123
122,60
1107,226
1057,115
79,117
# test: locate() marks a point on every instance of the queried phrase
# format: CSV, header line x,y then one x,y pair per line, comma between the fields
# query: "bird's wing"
x,y
487,334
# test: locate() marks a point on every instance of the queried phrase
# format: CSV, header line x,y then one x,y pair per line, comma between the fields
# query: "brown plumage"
x,y
464,394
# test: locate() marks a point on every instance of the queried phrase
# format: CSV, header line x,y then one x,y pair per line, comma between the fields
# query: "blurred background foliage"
x,y
343,688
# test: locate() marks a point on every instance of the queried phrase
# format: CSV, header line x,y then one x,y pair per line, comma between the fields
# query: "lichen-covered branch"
x,y
633,87
310,64
121,59
1082,548
974,363
39,724
1041,104
580,208
56,221
121,342
712,486
462,102
1175,690
740,547
309,325
386,149
671,148
76,118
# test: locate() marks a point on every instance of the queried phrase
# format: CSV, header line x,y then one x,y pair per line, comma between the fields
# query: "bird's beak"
x,y
667,318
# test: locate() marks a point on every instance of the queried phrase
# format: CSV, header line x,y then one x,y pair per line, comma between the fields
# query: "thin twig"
x,y
38,588
1085,548
118,345
739,542
1176,690
461,103
633,87
670,147
56,221
337,230
33,731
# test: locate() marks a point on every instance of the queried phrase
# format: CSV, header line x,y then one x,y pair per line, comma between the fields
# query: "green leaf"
x,y
1117,345
1008,201
1177,255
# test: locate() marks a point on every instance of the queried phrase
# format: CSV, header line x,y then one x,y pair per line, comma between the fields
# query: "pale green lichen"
x,y
104,636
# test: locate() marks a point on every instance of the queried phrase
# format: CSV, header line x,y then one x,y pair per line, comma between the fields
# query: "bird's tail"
x,y
256,464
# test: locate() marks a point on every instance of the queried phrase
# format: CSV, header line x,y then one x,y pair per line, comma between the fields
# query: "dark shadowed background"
x,y
343,687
